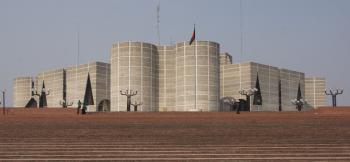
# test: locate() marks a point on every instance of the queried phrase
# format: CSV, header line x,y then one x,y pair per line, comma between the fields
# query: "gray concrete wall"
x,y
268,79
242,76
197,76
76,83
167,78
54,84
134,66
103,83
235,77
314,91
21,91
225,59
289,87
76,77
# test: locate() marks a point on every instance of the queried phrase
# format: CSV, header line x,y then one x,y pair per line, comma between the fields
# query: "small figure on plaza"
x,y
79,106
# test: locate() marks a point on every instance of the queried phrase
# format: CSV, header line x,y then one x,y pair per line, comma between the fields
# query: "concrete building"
x,y
22,91
100,84
53,80
134,67
197,76
166,78
289,87
243,76
177,77
75,78
314,91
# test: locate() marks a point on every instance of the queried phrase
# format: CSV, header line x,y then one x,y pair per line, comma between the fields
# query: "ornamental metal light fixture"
x,y
128,94
334,93
248,93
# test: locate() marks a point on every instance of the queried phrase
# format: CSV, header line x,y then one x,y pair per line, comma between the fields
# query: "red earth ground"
x,y
62,135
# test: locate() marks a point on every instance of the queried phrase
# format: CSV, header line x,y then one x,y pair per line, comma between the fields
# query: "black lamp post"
x,y
3,101
136,105
42,95
334,94
248,93
299,103
128,94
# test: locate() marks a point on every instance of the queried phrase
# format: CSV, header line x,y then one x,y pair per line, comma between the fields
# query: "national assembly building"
x,y
179,77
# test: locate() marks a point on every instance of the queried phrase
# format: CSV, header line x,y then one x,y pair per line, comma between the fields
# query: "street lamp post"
x,y
3,102
128,94
334,93
136,104
248,93
42,95
299,103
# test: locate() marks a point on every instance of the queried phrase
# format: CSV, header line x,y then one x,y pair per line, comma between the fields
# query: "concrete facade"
x,y
53,83
177,77
197,76
242,76
289,87
100,83
22,92
314,91
225,59
134,67
76,77
166,78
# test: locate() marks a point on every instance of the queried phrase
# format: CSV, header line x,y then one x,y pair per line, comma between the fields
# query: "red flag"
x,y
193,35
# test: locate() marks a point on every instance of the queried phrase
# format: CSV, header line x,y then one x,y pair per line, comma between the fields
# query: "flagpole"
x,y
196,70
158,22
76,69
78,52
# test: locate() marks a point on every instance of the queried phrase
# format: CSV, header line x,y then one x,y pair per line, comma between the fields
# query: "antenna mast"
x,y
241,24
158,22
78,48
76,68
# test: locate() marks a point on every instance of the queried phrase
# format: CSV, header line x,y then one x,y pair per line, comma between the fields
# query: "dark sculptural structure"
x,y
128,94
257,94
42,96
64,103
334,94
88,97
279,95
32,102
299,102
136,105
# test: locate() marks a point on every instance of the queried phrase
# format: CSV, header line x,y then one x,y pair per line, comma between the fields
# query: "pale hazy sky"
x,y
312,36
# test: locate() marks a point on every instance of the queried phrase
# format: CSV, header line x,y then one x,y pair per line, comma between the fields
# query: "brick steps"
x,y
141,150
61,135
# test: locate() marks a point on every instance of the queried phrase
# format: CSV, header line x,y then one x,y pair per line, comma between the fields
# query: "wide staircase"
x,y
56,139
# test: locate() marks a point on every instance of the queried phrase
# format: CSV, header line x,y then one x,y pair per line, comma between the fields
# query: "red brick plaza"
x,y
61,134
